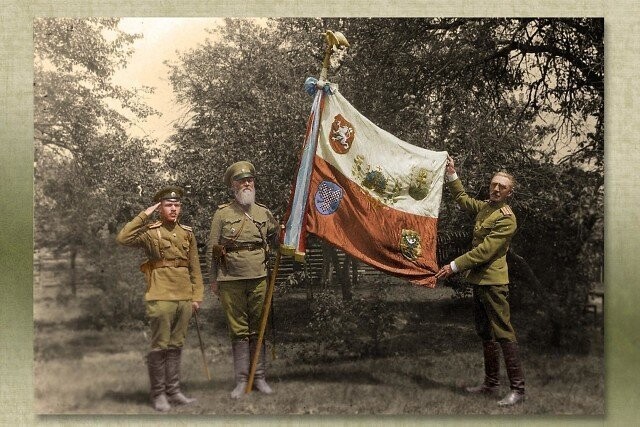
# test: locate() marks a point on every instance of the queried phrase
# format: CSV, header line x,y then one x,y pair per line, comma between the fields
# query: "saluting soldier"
x,y
174,290
237,254
485,267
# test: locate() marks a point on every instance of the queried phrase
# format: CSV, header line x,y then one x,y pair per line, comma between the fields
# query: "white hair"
x,y
245,196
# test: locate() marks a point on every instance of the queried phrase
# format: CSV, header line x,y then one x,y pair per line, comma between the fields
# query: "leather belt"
x,y
244,247
168,263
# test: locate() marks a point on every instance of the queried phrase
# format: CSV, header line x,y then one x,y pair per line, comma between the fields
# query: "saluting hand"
x,y
151,209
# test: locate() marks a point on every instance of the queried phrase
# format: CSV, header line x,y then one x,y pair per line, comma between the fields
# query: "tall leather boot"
x,y
175,396
241,361
156,361
259,381
491,352
515,374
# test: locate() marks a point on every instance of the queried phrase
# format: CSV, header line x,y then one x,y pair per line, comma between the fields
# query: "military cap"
x,y
239,170
171,193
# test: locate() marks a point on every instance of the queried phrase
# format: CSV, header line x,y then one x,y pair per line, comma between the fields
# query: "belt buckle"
x,y
175,262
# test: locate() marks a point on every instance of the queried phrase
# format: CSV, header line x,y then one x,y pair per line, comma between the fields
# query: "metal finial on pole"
x,y
335,40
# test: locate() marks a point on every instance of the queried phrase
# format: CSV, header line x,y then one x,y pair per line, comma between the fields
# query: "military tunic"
x,y
485,265
172,274
169,242
495,225
236,256
241,236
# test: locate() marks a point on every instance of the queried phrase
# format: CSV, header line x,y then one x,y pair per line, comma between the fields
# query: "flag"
x,y
293,239
371,194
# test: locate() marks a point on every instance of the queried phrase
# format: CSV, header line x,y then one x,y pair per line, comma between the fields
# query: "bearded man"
x,y
237,258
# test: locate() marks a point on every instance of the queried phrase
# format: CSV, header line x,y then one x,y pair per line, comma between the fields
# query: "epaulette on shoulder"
x,y
224,205
186,227
155,224
506,210
260,204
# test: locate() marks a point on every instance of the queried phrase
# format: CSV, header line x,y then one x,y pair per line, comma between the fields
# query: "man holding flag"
x,y
237,254
485,266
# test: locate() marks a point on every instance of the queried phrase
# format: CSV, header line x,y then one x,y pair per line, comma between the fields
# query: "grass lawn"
x,y
419,369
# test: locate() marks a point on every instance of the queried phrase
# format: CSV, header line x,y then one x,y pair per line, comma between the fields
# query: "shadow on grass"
x,y
427,383
330,375
352,375
135,397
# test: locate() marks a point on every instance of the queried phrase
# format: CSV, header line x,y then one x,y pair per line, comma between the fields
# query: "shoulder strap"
x,y
506,210
186,227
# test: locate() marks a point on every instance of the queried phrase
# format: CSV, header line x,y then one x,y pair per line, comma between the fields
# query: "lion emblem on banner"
x,y
342,134
410,245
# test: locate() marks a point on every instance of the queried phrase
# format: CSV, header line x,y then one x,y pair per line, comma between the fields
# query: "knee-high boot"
x,y
156,361
491,352
259,378
241,361
174,359
514,371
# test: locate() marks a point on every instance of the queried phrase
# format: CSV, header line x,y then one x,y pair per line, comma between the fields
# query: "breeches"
x,y
242,301
169,321
492,314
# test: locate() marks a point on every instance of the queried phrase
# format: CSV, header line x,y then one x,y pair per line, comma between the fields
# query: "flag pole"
x,y
334,40
263,322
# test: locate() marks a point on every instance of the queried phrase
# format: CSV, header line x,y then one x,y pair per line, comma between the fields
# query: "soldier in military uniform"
x,y
241,232
485,267
174,290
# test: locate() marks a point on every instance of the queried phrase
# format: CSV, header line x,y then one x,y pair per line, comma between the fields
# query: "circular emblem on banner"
x,y
328,197
341,135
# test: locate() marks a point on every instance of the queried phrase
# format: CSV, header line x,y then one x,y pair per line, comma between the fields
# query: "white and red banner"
x,y
370,194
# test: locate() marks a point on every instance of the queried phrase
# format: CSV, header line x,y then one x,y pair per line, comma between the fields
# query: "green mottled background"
x,y
622,44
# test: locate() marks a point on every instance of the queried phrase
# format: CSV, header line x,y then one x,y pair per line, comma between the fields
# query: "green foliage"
x,y
120,301
245,93
90,176
498,94
353,328
296,280
495,93
559,321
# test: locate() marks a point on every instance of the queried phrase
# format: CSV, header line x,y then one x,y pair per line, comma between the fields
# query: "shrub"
x,y
120,300
349,329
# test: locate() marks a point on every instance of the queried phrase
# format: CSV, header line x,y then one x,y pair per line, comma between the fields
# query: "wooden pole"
x,y
204,359
338,40
263,322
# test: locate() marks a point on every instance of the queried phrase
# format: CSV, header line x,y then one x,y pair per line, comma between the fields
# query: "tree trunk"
x,y
308,283
73,254
330,263
354,273
345,283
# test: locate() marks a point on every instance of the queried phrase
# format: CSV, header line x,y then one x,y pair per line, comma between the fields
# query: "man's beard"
x,y
246,196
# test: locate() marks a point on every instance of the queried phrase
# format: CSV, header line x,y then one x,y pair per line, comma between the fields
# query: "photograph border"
x,y
622,237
